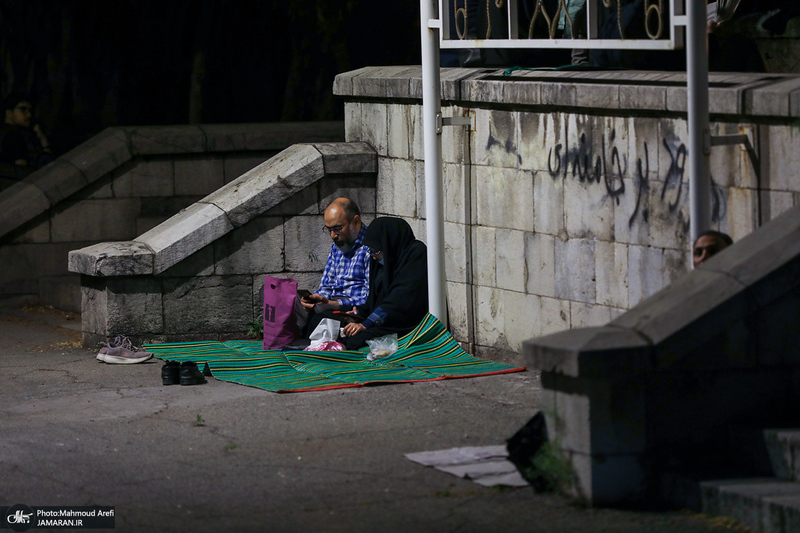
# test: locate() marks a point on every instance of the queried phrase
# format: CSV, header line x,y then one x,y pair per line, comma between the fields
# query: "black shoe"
x,y
170,373
191,375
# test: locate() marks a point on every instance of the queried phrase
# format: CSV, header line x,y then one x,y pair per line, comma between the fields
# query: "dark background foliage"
x,y
91,64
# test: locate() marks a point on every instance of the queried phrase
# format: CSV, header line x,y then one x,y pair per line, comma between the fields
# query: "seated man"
x,y
23,145
709,244
345,281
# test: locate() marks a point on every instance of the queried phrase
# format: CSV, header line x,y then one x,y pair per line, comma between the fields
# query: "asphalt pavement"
x,y
221,457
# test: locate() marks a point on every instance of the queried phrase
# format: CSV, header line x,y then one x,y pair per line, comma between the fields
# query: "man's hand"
x,y
308,302
37,129
353,328
313,299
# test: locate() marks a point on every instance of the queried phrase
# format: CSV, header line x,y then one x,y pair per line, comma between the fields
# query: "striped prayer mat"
x,y
428,353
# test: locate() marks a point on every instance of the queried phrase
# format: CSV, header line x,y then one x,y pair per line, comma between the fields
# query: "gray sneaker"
x,y
121,356
122,351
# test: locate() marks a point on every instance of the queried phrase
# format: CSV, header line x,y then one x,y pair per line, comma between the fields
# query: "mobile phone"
x,y
347,317
303,293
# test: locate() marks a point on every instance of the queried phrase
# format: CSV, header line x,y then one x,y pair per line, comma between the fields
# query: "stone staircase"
x,y
198,275
690,398
770,504
120,184
760,487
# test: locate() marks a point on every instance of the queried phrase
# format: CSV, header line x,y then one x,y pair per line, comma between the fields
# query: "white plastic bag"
x,y
326,330
382,347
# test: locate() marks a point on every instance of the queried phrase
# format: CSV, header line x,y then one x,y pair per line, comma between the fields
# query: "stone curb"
x,y
767,95
692,310
229,207
104,259
20,203
764,504
597,352
116,146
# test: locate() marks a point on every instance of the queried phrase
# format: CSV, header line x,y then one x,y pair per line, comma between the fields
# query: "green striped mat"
x,y
427,353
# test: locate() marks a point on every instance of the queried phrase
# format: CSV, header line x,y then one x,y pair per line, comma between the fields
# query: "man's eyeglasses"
x,y
24,108
335,229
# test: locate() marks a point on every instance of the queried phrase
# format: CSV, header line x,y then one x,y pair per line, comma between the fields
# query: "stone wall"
x,y
657,393
567,200
117,186
198,274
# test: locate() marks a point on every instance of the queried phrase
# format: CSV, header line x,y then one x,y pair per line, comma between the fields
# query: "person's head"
x,y
18,110
708,244
387,238
343,223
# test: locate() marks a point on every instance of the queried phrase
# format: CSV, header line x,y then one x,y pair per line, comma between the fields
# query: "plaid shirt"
x,y
346,275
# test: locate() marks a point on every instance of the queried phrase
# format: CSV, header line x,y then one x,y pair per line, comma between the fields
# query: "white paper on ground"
x,y
485,465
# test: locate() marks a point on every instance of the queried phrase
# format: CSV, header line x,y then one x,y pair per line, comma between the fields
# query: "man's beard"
x,y
344,246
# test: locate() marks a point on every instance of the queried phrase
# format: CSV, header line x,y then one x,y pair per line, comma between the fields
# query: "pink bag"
x,y
326,346
280,320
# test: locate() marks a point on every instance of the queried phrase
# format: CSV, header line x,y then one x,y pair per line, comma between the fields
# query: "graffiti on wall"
x,y
605,165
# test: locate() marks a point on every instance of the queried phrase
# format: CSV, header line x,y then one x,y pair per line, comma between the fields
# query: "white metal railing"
x,y
687,19
663,25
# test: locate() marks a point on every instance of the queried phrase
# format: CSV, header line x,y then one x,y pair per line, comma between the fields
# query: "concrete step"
x,y
772,452
785,453
768,505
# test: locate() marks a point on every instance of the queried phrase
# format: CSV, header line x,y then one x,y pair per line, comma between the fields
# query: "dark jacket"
x,y
399,287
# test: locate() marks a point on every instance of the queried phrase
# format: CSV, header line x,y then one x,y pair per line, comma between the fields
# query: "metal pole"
x,y
430,26
699,135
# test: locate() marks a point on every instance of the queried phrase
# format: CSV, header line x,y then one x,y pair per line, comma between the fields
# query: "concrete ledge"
x,y
715,347
664,327
190,230
231,206
689,312
106,259
114,147
773,99
606,352
766,261
754,94
267,185
348,158
399,82
21,202
99,155
59,180
214,292
734,284
766,505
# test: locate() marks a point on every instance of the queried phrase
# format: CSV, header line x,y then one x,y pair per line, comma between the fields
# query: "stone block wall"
x,y
198,275
567,200
659,392
119,185
214,293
